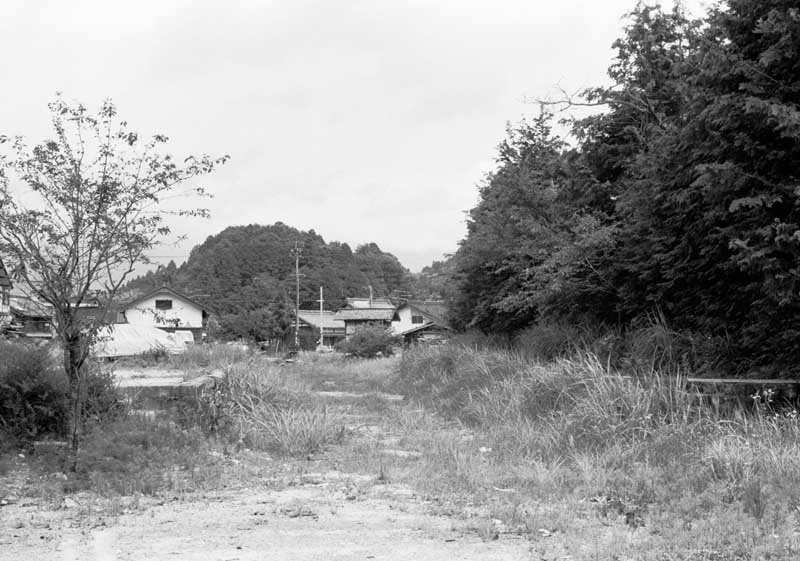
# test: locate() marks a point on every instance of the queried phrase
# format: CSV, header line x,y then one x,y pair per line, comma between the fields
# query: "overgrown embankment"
x,y
639,446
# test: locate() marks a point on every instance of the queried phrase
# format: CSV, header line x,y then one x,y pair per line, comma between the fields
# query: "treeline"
x,y
681,198
246,276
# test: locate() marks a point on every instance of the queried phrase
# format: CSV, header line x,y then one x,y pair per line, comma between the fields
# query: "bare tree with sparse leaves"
x,y
79,212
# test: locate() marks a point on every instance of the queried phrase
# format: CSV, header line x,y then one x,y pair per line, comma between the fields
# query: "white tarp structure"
x,y
124,339
184,337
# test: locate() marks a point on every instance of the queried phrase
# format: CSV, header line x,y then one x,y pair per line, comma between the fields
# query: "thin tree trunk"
x,y
72,365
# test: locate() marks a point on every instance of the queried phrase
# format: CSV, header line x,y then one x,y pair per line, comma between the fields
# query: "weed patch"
x,y
133,455
636,445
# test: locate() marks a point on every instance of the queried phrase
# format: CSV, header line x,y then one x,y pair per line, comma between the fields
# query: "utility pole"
x,y
296,296
321,329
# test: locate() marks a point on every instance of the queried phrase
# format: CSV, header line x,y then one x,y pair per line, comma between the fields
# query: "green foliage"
x,y
269,323
369,341
246,268
434,281
101,400
679,200
247,276
510,231
33,394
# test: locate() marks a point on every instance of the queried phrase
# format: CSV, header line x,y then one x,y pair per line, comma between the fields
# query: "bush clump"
x,y
33,394
369,342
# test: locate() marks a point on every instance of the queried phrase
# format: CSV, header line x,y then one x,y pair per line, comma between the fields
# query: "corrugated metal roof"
x,y
326,320
369,314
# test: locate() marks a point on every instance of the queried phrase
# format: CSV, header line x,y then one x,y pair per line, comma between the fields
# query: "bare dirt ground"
x,y
309,521
322,507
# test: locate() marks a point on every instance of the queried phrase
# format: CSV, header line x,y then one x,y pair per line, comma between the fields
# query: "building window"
x,y
163,304
417,319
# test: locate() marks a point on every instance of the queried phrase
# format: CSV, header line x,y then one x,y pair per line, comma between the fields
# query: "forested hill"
x,y
245,268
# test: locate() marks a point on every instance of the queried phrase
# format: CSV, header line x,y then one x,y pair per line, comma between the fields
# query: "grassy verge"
x,y
575,448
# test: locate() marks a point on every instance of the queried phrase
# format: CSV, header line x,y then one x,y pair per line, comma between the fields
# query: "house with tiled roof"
x,y
359,312
312,321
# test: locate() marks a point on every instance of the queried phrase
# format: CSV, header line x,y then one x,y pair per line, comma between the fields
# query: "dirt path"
x,y
298,514
307,522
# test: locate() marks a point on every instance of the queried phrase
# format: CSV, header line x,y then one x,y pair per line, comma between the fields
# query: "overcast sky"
x,y
364,120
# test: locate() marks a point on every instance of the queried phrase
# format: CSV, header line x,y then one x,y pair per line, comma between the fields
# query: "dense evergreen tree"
x,y
712,219
682,196
510,232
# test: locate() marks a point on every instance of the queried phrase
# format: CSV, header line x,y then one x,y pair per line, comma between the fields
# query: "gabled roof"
x,y
435,310
422,327
366,303
326,320
366,314
5,280
163,290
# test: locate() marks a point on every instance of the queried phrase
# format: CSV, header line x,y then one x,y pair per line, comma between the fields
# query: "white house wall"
x,y
145,313
405,324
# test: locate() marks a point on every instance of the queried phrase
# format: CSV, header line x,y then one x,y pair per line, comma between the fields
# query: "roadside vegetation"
x,y
629,458
592,456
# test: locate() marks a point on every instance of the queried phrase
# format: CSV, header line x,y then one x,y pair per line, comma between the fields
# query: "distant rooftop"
x,y
367,314
326,320
436,309
375,304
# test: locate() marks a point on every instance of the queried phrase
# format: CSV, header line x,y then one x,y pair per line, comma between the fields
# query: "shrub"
x,y
101,399
369,342
33,394
549,341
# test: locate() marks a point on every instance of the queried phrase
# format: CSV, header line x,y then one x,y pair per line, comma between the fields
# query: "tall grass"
x,y
215,356
263,406
640,437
